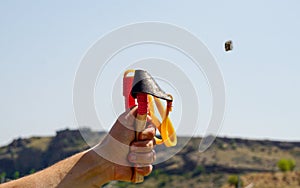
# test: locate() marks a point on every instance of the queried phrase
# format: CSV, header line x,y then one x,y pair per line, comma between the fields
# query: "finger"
x,y
133,111
130,116
151,125
142,158
142,146
149,119
148,133
144,170
127,118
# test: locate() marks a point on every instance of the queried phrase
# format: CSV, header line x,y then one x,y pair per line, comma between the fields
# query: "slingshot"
x,y
142,87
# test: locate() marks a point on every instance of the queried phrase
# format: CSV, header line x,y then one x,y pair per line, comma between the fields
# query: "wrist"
x,y
99,170
89,170
115,153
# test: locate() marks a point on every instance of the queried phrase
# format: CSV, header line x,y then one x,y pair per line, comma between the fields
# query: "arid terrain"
x,y
253,161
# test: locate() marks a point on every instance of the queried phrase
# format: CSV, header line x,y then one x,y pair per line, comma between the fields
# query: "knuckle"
x,y
150,145
152,131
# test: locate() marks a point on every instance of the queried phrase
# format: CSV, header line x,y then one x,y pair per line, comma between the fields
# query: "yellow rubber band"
x,y
165,128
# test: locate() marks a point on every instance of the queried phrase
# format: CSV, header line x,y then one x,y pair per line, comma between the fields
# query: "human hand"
x,y
123,152
117,157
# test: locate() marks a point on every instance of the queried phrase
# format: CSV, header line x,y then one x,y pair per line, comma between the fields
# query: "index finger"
x,y
148,133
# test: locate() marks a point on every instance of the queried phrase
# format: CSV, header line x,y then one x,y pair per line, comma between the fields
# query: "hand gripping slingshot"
x,y
146,91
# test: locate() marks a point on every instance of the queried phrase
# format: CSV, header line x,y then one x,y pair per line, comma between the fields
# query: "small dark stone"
x,y
228,45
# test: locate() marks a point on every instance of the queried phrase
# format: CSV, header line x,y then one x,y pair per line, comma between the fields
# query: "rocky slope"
x,y
187,168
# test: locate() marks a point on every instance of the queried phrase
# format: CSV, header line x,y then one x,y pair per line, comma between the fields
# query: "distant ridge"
x,y
226,156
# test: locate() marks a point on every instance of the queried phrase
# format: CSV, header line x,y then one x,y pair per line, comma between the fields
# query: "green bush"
x,y
235,180
2,177
198,171
16,175
285,165
156,173
32,171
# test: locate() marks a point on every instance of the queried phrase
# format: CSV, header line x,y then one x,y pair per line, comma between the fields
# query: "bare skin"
x,y
89,169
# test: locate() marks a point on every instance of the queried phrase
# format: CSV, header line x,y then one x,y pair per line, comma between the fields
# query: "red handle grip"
x,y
127,85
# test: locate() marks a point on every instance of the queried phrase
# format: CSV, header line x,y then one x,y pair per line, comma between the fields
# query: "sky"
x,y
42,44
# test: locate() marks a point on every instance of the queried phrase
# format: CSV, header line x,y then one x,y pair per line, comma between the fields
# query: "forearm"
x,y
86,169
91,169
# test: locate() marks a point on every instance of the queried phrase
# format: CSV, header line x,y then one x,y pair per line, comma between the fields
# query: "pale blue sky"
x,y
42,43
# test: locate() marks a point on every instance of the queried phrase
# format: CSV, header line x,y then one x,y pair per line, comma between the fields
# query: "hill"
x,y
249,159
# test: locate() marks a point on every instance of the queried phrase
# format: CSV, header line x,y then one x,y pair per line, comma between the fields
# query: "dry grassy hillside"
x,y
270,180
253,160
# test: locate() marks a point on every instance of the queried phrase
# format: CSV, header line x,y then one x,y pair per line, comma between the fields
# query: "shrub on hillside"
x,y
234,180
285,165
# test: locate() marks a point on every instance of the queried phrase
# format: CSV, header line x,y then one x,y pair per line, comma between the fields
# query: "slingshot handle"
x,y
127,85
140,125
